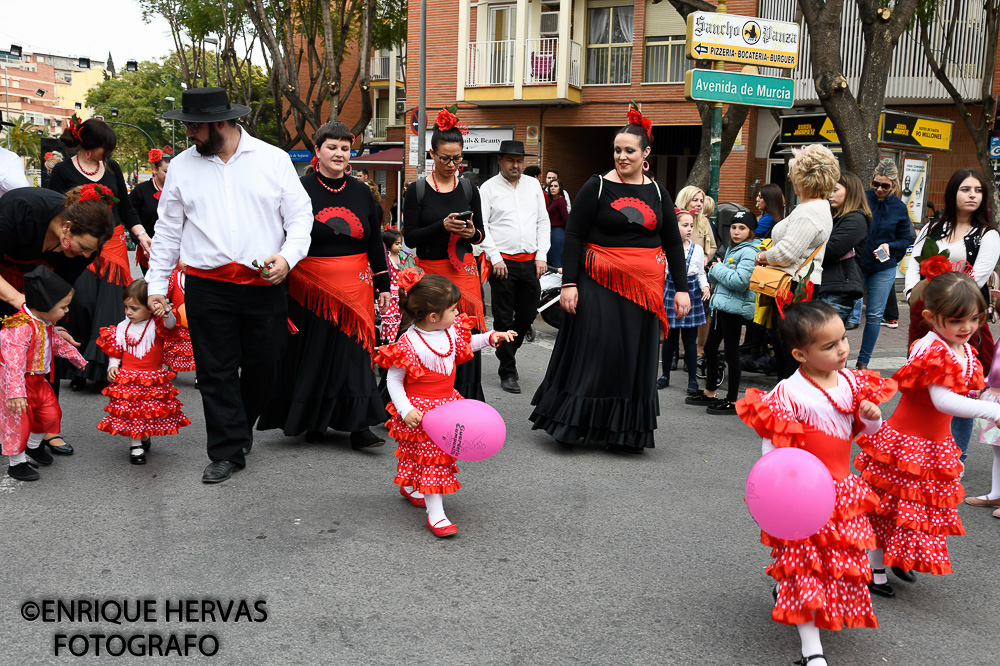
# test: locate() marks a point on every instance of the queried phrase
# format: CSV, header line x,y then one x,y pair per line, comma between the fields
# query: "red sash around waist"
x,y
112,264
338,289
635,273
524,256
233,272
430,386
467,280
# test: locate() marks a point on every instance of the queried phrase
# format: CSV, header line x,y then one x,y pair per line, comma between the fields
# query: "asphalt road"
x,y
562,557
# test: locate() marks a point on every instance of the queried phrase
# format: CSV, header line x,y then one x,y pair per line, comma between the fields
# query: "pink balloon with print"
x,y
466,429
790,493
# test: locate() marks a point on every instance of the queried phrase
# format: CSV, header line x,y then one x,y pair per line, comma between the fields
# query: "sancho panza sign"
x,y
743,39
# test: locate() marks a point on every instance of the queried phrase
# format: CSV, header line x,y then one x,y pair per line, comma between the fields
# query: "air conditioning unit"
x,y
400,107
549,25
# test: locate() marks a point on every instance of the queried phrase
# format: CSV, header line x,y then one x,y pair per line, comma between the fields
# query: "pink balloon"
x,y
466,429
790,493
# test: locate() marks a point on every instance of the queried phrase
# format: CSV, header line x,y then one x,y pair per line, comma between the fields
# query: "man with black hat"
x,y
11,167
233,210
516,242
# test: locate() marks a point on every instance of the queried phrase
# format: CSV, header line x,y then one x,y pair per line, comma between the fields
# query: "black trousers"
x,y
515,304
726,328
238,334
689,336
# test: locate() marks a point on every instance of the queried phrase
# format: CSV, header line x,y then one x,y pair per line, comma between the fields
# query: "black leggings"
x,y
690,338
725,328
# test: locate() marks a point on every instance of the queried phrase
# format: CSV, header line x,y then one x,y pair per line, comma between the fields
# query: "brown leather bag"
x,y
768,281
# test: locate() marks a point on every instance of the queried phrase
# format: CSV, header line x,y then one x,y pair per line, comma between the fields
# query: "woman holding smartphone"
x,y
887,241
442,220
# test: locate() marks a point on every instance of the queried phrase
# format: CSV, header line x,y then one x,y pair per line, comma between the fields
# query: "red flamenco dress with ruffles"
x,y
177,351
823,578
912,462
143,401
425,361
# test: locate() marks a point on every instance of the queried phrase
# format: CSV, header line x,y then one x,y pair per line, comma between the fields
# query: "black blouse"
x,y
25,214
346,223
65,177
423,222
143,199
623,216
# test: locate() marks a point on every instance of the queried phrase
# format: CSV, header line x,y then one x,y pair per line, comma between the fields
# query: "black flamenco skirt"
x,y
325,380
469,377
96,303
600,385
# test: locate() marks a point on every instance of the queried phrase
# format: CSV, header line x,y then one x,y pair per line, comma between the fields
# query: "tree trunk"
x,y
732,122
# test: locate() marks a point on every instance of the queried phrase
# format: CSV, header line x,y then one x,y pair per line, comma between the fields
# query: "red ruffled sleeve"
x,y
763,412
399,354
873,387
108,342
463,337
937,366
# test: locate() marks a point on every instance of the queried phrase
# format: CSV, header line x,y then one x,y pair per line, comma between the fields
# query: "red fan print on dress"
x,y
456,253
342,221
636,211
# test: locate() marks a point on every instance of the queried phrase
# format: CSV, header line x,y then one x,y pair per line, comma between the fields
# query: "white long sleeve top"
x,y
986,260
696,266
515,219
212,213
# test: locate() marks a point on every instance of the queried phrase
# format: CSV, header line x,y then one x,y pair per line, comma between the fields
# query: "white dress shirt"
x,y
11,172
515,218
212,213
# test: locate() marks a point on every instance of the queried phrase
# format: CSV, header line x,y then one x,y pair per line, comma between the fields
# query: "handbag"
x,y
769,281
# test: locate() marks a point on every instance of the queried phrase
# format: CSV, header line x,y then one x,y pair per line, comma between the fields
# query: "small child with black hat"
x,y
27,345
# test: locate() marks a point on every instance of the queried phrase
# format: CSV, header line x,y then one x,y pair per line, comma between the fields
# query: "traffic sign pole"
x,y
715,147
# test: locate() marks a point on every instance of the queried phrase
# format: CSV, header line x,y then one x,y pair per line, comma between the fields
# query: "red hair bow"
x,y
155,156
634,117
97,192
408,277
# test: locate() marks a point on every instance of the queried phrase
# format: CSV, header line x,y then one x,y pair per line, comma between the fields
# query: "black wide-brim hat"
x,y
513,148
206,105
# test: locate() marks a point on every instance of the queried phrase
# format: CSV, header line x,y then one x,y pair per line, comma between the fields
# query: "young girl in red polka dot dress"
x,y
822,581
421,376
143,401
913,461
177,351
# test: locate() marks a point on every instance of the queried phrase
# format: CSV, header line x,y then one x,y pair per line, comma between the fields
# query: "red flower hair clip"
x,y
446,119
75,127
98,192
634,117
408,277
155,156
935,265
168,150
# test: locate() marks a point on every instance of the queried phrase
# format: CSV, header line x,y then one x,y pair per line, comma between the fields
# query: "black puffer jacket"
x,y
843,275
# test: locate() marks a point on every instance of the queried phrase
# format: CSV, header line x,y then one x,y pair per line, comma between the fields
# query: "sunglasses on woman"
x,y
881,186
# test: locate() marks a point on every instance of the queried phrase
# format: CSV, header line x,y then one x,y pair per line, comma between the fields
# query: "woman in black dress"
x,y
601,381
39,227
443,240
145,197
97,301
326,379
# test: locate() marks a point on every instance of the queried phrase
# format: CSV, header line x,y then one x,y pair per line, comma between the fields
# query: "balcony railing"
x,y
910,77
540,61
575,59
378,127
491,64
379,70
665,61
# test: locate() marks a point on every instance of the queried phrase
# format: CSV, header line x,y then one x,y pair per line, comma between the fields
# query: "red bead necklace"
x,y
434,180
451,343
84,171
129,342
641,182
331,189
855,403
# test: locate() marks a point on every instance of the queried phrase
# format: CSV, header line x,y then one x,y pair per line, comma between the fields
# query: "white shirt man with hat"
x,y
11,167
516,222
233,210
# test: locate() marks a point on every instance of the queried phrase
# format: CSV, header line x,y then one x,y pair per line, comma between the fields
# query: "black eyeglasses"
x,y
881,186
450,160
192,127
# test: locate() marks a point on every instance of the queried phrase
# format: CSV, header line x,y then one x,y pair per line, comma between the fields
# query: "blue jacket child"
x,y
731,278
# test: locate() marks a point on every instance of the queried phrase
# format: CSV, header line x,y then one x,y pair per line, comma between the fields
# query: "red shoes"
x,y
415,501
442,532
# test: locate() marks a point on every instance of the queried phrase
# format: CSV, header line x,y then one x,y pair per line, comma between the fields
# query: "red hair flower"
x,y
931,267
97,192
155,156
408,277
168,150
48,155
75,127
634,117
445,120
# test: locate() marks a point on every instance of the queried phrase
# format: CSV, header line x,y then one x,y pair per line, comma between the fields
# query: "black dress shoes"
x,y
246,449
22,472
364,439
902,574
219,471
662,383
39,454
63,449
510,385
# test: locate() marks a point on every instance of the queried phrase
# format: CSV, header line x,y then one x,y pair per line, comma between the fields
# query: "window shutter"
x,y
662,20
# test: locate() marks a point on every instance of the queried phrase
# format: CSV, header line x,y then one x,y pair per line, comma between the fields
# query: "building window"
x,y
609,45
664,60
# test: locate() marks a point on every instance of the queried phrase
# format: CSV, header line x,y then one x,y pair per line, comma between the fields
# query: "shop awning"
x,y
390,159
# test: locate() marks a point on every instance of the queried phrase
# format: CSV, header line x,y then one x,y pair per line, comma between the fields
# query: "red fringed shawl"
x,y
112,265
635,273
467,280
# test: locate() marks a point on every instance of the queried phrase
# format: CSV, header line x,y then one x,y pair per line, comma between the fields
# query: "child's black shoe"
x,y
701,399
662,383
721,407
137,455
39,455
22,472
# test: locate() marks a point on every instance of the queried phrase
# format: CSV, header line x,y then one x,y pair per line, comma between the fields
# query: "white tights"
x,y
995,488
435,510
877,561
809,635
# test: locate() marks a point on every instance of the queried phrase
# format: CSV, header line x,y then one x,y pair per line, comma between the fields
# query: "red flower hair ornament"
x,y
935,265
634,117
48,155
168,150
155,156
97,192
446,120
408,277
75,127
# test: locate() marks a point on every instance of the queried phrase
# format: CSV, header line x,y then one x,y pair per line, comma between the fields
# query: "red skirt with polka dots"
x,y
917,482
421,464
825,577
177,351
143,404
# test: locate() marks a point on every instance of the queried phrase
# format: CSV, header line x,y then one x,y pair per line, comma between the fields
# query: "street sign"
x,y
414,123
911,130
300,155
742,39
709,85
798,130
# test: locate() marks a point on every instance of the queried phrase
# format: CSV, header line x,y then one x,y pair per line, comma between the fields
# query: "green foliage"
x,y
25,139
389,28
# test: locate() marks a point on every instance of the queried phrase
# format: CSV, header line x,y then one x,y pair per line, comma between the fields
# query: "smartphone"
x,y
464,216
881,254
